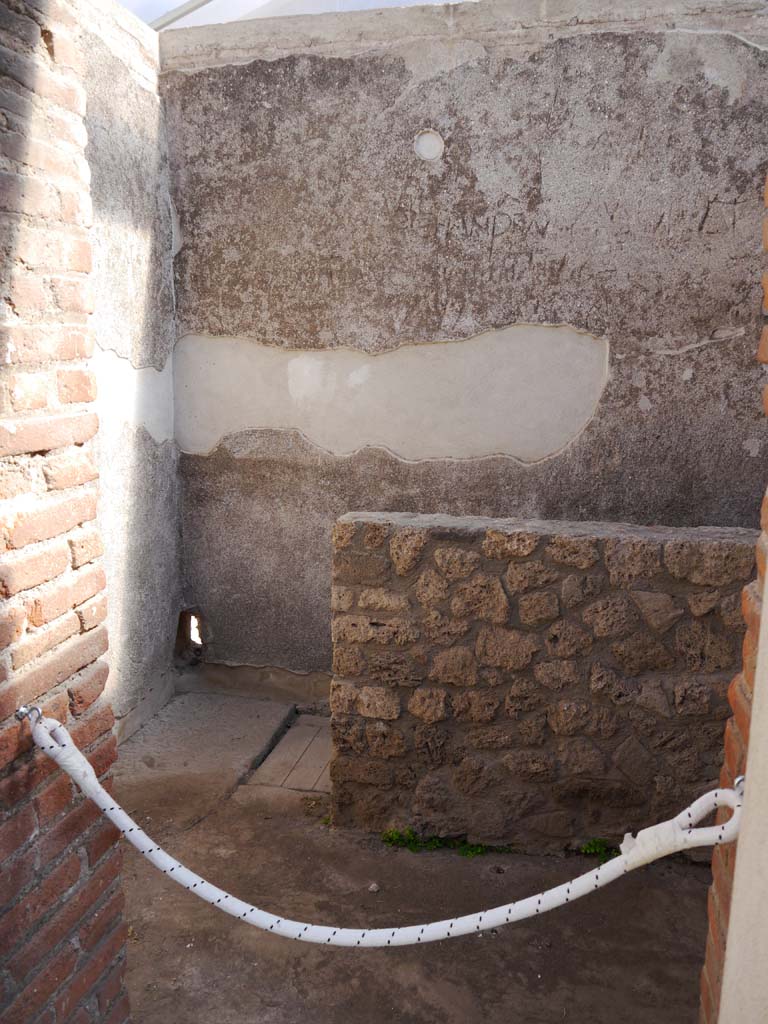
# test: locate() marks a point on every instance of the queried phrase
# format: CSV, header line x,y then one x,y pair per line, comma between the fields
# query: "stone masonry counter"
x,y
526,682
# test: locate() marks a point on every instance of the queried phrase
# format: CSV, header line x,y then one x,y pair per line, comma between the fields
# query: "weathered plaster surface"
x,y
571,184
139,505
258,512
524,391
140,512
132,213
602,168
135,397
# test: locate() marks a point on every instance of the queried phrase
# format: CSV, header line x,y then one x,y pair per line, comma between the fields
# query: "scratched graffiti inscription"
x,y
606,184
458,225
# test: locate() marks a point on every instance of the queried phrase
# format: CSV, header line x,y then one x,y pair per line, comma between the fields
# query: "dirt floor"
x,y
630,954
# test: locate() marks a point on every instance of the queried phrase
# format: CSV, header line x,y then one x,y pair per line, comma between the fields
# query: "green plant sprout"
x,y
409,840
601,849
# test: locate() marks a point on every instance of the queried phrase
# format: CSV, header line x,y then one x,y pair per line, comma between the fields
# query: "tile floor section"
x,y
301,759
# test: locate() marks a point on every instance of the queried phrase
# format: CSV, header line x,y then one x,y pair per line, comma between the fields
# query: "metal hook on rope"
x,y
677,834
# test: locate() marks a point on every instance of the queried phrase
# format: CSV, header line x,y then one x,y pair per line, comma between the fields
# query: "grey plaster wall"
x,y
602,169
135,333
307,220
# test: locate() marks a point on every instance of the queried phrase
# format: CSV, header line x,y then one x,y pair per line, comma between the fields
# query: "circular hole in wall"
x,y
428,144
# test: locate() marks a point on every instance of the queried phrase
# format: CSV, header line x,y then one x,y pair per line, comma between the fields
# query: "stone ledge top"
x,y
492,27
472,525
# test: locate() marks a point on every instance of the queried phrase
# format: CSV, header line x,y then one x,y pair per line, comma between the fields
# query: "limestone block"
x,y
394,668
443,630
348,661
538,607
579,756
503,546
610,616
558,675
379,599
405,550
530,764
579,552
576,588
631,559
431,588
703,649
634,760
343,697
475,705
506,648
456,563
659,610
481,597
709,563
522,576
378,702
566,640
641,652
384,740
455,667
428,704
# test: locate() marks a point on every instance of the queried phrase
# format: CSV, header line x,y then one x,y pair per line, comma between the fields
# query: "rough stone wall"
x,y
135,331
309,227
62,936
529,683
736,745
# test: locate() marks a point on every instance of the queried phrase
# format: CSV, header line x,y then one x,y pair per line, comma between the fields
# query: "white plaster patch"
x,y
752,446
136,398
524,391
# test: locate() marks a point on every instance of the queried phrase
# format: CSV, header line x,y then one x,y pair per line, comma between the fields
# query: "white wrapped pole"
x,y
650,844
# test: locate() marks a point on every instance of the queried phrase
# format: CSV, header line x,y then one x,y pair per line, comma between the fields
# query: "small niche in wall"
x,y
190,645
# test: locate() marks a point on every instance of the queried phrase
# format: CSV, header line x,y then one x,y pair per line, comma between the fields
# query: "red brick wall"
x,y
736,744
61,931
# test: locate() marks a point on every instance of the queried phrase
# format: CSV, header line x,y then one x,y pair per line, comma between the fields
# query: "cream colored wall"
x,y
523,391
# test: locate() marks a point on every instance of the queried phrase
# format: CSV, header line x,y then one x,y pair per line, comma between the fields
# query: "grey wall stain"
x,y
139,508
128,157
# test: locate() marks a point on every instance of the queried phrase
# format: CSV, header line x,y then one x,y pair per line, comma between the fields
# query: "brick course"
x,y
62,941
529,683
736,744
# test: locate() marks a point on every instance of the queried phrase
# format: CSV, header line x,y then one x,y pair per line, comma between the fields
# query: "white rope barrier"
x,y
650,844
